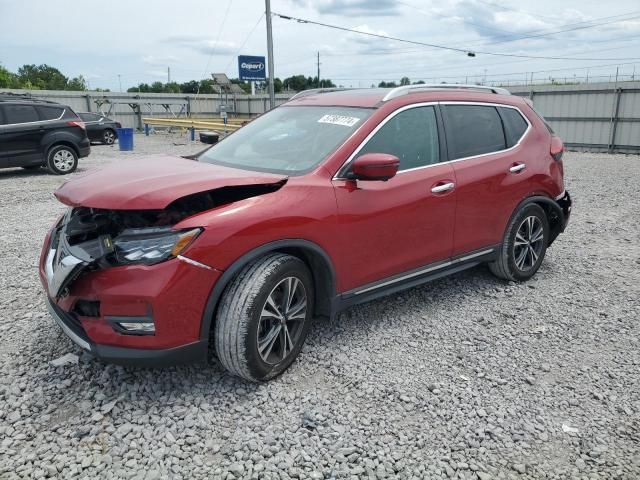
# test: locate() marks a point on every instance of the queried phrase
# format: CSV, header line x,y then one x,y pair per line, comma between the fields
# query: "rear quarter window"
x,y
515,125
473,130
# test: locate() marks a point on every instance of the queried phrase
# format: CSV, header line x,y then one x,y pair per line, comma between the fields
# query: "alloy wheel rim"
x,y
109,137
528,243
281,320
63,160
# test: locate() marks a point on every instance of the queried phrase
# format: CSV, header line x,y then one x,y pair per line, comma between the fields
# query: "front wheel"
x,y
62,160
524,245
264,317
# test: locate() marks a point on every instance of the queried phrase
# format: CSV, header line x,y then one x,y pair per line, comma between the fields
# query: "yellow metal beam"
x,y
190,123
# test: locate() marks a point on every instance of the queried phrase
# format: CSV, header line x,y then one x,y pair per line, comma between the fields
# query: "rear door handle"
x,y
518,168
443,187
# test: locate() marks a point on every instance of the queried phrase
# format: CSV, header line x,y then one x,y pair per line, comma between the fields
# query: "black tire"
x,y
240,321
62,160
108,137
519,260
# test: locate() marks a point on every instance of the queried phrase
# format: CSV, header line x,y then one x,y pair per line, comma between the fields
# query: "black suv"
x,y
36,133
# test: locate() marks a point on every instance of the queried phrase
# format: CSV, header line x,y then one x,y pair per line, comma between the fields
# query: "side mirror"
x,y
374,166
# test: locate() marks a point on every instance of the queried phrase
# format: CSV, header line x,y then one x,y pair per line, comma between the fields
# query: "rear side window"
x,y
49,113
20,114
411,135
68,113
514,125
90,117
473,130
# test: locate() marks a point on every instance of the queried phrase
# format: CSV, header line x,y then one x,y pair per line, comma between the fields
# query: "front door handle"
x,y
518,168
443,187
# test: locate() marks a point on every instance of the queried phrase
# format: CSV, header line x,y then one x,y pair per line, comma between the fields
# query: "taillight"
x,y
557,147
74,123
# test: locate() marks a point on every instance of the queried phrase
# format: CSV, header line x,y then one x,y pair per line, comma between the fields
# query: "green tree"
x,y
384,84
77,83
295,82
277,85
42,77
8,79
157,87
405,81
172,87
189,87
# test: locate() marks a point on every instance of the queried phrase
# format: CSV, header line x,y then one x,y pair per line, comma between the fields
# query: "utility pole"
x,y
120,82
168,74
318,69
272,95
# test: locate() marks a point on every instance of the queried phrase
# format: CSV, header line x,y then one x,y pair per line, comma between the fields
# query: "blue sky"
x,y
139,40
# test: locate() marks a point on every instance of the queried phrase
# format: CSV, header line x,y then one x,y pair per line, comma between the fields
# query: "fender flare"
x,y
240,263
551,208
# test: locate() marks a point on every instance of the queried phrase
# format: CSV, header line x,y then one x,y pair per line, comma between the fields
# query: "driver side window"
x,y
411,135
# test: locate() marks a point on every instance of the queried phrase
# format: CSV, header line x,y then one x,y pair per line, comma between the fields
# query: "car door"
x,y
490,169
21,135
391,227
93,125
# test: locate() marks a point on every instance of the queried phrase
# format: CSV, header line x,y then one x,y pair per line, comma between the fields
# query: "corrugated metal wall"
x,y
153,104
598,117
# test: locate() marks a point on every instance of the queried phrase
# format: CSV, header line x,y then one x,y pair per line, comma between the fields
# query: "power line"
x,y
233,57
213,48
574,28
505,74
468,52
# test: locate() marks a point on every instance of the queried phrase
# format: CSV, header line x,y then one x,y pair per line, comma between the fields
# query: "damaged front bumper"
x,y
144,357
94,306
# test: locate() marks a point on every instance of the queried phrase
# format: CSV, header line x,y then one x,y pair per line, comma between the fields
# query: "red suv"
x,y
335,198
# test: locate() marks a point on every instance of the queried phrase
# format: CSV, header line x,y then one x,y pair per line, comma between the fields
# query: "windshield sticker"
x,y
339,120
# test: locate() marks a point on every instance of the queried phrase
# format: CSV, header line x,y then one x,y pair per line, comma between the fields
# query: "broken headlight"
x,y
148,246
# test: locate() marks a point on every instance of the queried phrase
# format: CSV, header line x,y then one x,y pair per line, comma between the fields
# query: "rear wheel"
x,y
264,317
62,160
524,245
108,137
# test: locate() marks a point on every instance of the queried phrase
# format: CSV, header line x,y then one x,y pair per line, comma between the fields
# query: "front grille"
x,y
71,321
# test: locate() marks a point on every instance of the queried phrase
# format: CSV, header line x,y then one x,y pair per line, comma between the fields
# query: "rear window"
x,y
49,113
473,130
20,114
514,125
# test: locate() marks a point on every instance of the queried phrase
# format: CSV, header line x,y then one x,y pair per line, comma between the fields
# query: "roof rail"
x,y
405,89
27,97
313,91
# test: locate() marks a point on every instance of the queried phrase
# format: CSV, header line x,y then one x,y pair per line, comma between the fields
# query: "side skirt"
x,y
413,278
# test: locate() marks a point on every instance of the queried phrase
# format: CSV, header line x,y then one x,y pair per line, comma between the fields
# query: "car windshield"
x,y
290,140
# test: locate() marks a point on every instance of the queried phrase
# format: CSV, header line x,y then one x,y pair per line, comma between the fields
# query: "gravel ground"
x,y
466,377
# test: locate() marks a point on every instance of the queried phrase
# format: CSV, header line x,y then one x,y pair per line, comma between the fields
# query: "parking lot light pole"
x,y
272,95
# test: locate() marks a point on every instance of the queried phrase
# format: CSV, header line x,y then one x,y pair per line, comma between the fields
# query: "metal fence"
x,y
595,116
129,108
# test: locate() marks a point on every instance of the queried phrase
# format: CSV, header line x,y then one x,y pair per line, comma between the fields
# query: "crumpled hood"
x,y
153,182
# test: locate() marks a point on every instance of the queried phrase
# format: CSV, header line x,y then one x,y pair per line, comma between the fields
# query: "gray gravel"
x,y
467,377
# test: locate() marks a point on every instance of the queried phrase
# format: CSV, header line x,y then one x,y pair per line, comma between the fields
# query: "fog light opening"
x,y
137,328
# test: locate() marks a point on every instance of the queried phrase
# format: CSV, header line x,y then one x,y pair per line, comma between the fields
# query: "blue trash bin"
x,y
125,139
